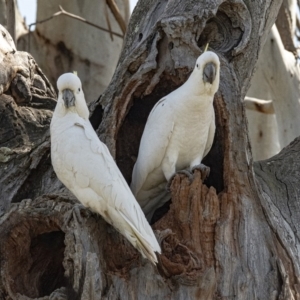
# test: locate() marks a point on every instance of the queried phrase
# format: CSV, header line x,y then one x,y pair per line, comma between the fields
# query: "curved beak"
x,y
68,97
209,72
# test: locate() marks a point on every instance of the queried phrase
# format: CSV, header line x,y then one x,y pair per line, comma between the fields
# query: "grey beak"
x,y
209,73
68,97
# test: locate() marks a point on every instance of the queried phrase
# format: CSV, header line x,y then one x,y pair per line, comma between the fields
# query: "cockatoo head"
x,y
207,73
70,96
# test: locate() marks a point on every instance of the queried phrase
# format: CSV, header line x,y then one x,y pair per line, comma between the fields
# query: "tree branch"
x,y
116,12
108,22
63,12
263,106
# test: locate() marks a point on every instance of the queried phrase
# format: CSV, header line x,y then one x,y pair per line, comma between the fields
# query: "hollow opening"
x,y
96,116
215,157
220,32
47,253
131,131
34,264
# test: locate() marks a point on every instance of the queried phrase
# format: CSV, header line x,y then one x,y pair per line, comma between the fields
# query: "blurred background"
x,y
28,9
64,44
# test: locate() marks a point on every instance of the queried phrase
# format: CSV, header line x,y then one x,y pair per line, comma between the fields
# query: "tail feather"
x,y
154,203
146,245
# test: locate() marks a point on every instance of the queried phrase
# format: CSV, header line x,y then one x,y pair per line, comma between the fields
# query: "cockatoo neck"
x,y
81,107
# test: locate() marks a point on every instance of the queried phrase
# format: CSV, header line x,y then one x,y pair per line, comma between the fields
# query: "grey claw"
x,y
78,213
185,172
25,203
204,170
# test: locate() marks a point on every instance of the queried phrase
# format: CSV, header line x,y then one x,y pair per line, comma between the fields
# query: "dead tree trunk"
x,y
234,237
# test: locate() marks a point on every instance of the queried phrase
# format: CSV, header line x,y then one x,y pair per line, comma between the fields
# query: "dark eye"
x,y
78,89
197,65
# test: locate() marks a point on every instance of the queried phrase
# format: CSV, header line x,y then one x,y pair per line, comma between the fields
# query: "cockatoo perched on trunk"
x,y
179,132
84,165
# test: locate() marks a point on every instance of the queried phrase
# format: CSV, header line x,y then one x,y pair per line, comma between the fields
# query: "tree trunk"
x,y
234,237
276,77
6,9
280,82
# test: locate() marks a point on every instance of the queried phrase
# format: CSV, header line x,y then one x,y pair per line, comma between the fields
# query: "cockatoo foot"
x,y
24,204
185,172
203,169
78,213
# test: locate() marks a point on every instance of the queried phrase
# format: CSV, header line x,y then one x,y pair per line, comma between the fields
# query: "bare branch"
x,y
263,106
63,12
108,22
116,12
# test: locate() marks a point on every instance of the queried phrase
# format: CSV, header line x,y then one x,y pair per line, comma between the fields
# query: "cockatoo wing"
x,y
211,135
153,145
93,176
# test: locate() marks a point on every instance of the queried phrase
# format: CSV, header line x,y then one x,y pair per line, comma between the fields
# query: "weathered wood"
x,y
26,103
59,238
187,232
219,239
278,182
160,50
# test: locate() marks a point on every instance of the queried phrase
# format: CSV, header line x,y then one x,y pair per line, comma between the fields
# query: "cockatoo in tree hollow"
x,y
85,166
179,132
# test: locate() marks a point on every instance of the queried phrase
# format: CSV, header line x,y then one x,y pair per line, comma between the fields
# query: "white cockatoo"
x,y
85,166
179,132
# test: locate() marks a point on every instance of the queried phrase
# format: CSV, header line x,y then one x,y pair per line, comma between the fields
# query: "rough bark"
x,y
27,100
227,238
278,182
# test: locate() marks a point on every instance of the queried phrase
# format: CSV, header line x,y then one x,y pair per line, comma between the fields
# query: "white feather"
x,y
179,132
83,163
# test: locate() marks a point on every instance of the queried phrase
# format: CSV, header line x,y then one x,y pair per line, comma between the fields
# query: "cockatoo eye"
x,y
78,89
197,65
